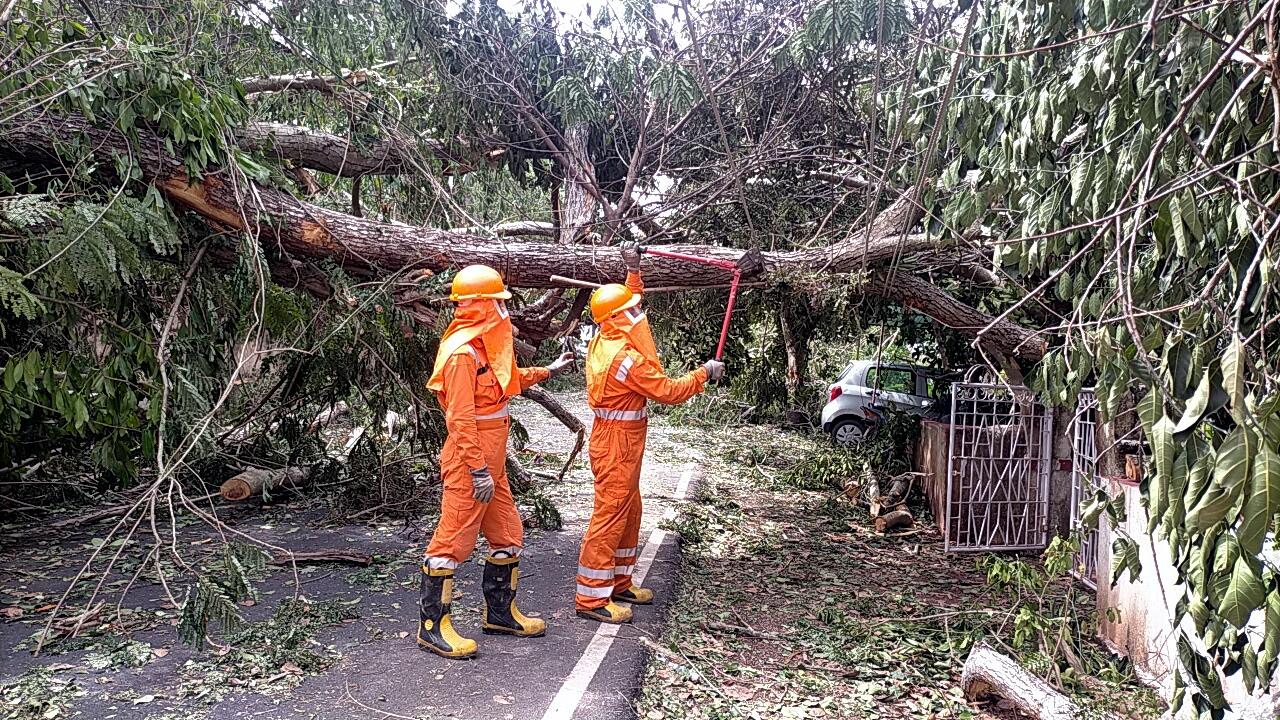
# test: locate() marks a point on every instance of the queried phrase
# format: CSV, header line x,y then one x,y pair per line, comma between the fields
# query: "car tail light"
x,y
834,393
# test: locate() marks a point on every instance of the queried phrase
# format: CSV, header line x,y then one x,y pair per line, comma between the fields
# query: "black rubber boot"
x,y
501,616
435,625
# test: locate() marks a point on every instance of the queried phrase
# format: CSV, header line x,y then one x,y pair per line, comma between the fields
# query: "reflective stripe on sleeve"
x,y
624,369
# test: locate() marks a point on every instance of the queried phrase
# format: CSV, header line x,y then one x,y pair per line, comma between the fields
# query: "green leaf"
x,y
1270,636
1181,363
1124,557
1249,664
1180,239
1230,472
1233,369
1262,501
1197,482
1196,407
1164,453
1226,551
1244,594
1150,409
1175,511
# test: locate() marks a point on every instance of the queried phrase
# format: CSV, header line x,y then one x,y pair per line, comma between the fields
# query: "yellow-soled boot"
x,y
501,616
635,595
613,614
435,625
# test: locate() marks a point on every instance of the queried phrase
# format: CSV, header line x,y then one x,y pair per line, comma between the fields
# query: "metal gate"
x,y
997,469
1084,468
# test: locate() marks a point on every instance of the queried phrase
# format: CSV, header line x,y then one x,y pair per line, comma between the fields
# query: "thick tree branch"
x,y
368,247
310,82
340,155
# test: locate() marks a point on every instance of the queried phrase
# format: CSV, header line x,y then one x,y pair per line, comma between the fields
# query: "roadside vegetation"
x,y
791,605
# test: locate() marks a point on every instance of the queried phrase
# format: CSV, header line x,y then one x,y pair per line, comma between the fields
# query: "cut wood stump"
x,y
989,673
894,519
252,482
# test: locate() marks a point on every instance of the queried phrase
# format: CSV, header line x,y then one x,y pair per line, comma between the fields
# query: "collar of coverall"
x,y
488,321
633,325
627,329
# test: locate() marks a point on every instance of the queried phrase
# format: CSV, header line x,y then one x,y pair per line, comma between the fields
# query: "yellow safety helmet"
x,y
612,298
477,282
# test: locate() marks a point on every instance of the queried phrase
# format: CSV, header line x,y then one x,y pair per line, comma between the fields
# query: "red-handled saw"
x,y
733,286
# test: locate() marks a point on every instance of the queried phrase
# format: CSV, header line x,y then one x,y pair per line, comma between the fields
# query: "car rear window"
x,y
892,380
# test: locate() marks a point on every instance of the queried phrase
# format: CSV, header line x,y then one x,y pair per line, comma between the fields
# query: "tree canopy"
x,y
227,214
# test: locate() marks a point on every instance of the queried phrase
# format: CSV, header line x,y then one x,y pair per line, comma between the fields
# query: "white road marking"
x,y
566,701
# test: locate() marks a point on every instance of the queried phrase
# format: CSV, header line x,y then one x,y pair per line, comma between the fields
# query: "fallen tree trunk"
x,y
990,673
367,247
254,482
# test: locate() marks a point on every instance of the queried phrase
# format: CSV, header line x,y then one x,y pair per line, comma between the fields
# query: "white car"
x,y
866,390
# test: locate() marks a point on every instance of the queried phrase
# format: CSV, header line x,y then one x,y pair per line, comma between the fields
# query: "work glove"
x,y
714,368
631,254
482,485
562,364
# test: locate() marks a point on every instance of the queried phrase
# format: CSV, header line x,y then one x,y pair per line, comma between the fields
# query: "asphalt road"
x,y
579,671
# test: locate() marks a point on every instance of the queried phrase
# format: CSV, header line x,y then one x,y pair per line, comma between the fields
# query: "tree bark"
x,y
987,672
255,481
894,519
577,210
368,247
342,155
796,329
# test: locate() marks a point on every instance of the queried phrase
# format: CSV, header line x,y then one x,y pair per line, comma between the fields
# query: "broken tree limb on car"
x,y
989,673
367,247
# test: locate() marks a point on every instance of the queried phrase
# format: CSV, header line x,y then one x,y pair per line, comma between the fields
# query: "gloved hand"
x,y
562,364
631,254
482,485
714,368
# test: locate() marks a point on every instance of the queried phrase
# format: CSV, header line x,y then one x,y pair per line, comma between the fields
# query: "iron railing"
x,y
998,469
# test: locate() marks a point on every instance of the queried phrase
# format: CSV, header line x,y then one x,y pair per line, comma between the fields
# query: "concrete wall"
x,y
1145,632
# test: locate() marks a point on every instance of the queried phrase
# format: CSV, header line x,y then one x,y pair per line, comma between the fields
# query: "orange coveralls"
x,y
630,379
476,416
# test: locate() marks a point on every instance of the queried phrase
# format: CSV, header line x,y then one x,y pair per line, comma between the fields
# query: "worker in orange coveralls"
x,y
475,375
623,374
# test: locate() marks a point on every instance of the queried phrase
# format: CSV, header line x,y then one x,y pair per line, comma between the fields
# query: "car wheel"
x,y
849,432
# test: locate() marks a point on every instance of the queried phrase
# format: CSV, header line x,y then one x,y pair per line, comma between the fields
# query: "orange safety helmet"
x,y
477,282
610,299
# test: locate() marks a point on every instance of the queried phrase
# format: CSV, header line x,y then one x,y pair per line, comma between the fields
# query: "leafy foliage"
x,y
215,595
1119,167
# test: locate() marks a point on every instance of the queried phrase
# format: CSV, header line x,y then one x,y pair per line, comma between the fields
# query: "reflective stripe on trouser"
x,y
617,453
462,517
